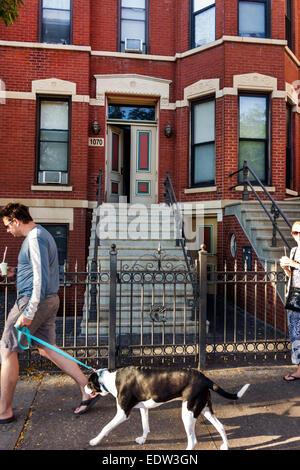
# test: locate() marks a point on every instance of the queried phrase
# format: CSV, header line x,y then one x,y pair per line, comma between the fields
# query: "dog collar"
x,y
100,372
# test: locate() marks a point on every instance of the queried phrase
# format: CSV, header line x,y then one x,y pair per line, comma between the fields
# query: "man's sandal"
x,y
290,378
88,404
7,420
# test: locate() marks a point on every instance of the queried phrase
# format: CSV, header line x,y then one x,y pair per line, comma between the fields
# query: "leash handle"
x,y
24,330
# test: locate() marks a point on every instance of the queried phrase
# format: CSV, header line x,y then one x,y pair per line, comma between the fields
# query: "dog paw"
x,y
140,440
224,447
94,442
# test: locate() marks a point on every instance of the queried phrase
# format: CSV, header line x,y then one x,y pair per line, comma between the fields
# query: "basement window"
x,y
60,235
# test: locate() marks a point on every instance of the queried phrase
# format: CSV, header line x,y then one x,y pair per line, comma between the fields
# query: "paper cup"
x,y
3,267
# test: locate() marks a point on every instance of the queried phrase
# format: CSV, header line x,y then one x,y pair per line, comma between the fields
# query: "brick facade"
x,y
94,51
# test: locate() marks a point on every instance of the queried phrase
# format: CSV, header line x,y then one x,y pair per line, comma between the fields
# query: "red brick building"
x,y
192,87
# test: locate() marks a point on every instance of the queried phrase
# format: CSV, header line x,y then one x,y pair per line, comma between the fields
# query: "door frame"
x,y
146,124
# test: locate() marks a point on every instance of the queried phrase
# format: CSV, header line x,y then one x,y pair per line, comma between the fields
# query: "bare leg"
x,y
9,378
69,367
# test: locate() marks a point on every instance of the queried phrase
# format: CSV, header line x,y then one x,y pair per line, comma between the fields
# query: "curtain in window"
x,y
253,133
252,19
56,17
54,136
133,20
203,147
204,22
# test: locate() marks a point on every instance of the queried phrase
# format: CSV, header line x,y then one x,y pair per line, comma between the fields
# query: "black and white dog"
x,y
146,387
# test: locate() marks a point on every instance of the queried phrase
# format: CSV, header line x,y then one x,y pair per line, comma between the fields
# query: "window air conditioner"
x,y
133,45
51,177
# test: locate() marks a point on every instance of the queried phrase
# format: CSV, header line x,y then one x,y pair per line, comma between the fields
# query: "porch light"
x,y
96,128
168,130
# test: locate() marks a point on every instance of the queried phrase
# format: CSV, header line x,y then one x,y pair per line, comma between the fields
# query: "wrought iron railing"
x,y
171,200
144,315
94,269
274,212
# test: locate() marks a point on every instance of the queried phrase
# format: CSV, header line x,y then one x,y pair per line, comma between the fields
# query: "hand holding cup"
x,y
3,268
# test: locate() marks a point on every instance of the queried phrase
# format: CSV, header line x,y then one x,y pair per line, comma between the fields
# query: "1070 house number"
x,y
96,142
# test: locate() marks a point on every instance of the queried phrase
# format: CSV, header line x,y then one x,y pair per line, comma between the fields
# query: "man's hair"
x,y
16,211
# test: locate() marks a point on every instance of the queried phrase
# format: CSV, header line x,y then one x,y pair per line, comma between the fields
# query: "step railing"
x,y
181,238
94,262
273,213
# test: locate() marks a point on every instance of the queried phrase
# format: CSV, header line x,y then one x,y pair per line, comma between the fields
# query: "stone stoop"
x,y
142,240
258,229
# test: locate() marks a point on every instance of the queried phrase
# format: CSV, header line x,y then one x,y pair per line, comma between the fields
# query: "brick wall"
x,y
27,26
77,241
95,24
273,309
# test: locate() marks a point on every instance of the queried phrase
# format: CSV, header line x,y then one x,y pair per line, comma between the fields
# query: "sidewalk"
x,y
266,418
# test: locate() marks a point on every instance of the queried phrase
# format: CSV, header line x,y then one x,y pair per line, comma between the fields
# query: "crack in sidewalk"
x,y
29,415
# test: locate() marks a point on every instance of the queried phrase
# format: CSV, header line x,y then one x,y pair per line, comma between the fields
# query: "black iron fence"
x,y
148,313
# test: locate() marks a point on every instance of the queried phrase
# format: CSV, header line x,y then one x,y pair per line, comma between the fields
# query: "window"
x,y
131,112
289,147
56,21
203,143
53,141
203,22
254,18
289,23
253,138
133,26
60,235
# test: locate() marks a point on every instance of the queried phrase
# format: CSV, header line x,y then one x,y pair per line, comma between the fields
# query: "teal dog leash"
x,y
25,331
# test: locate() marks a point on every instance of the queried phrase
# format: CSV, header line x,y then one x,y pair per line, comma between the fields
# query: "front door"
x,y
143,165
132,164
114,164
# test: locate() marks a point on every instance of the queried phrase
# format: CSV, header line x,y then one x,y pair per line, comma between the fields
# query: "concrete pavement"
x,y
266,418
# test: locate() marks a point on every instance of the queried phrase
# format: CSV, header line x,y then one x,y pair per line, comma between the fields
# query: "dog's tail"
x,y
223,393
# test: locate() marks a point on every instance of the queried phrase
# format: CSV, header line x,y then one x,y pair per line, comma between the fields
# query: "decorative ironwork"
x,y
158,313
275,210
150,316
161,262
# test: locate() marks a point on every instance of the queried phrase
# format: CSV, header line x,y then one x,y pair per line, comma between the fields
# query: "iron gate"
x,y
152,314
157,320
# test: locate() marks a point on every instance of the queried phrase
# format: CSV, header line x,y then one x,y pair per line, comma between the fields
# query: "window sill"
x,y
291,192
271,189
206,189
48,187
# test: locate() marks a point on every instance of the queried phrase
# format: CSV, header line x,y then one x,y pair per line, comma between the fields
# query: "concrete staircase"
x,y
143,240
258,228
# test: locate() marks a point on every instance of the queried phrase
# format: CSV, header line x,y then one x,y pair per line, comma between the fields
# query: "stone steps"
x,y
258,228
151,248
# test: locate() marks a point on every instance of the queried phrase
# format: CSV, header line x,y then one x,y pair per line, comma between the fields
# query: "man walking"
x,y
36,306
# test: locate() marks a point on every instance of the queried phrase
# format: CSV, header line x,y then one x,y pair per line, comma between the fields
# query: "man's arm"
x,y
39,258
